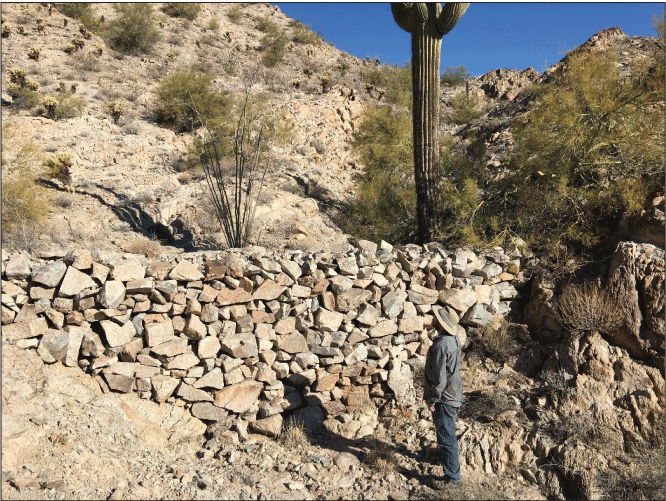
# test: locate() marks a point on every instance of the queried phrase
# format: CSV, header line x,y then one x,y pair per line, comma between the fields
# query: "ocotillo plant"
x,y
427,23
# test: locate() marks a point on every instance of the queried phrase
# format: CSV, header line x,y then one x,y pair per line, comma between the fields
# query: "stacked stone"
x,y
242,338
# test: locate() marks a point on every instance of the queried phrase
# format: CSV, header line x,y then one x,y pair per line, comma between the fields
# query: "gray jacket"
x,y
442,372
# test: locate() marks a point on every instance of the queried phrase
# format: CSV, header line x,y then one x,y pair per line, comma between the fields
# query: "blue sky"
x,y
489,36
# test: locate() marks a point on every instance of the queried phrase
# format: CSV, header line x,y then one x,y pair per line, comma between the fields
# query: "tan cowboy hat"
x,y
446,318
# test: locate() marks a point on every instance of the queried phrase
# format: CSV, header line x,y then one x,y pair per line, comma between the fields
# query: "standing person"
x,y
443,392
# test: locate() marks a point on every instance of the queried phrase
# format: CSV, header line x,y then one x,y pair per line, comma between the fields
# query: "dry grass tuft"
x,y
294,435
142,246
496,340
640,474
382,458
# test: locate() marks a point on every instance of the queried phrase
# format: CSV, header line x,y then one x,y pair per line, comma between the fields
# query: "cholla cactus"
x,y
170,54
33,86
116,110
4,19
50,103
17,76
84,32
59,167
33,53
20,29
99,50
40,26
296,83
6,30
325,84
13,89
70,48
78,43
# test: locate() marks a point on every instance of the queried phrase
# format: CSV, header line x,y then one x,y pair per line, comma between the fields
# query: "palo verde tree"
x,y
427,23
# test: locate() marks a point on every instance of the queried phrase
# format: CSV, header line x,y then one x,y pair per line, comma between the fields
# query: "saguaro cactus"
x,y
427,23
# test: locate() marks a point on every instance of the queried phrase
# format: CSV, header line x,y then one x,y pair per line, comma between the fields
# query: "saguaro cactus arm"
x,y
402,13
448,18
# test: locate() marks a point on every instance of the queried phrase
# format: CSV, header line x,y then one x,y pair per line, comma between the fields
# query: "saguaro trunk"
x,y
427,23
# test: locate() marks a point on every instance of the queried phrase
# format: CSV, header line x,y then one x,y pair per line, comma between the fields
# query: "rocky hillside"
x,y
550,412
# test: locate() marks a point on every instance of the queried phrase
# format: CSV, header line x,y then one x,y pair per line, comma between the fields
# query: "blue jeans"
x,y
445,425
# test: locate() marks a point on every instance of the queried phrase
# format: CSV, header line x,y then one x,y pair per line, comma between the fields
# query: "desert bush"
x,y
293,435
303,34
6,30
187,100
485,406
318,145
385,206
62,201
454,76
342,66
465,108
235,12
87,61
25,204
556,383
273,45
63,105
134,30
189,11
587,307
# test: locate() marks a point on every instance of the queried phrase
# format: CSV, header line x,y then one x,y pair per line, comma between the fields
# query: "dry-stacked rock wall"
x,y
252,336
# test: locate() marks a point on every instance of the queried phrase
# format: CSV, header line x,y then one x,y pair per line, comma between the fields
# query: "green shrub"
x,y
463,221
385,206
303,34
396,82
25,204
235,12
69,106
454,76
187,10
187,100
465,108
213,24
593,151
266,24
274,46
134,30
75,10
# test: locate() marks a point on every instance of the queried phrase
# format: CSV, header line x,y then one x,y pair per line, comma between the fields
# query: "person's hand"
x,y
432,408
